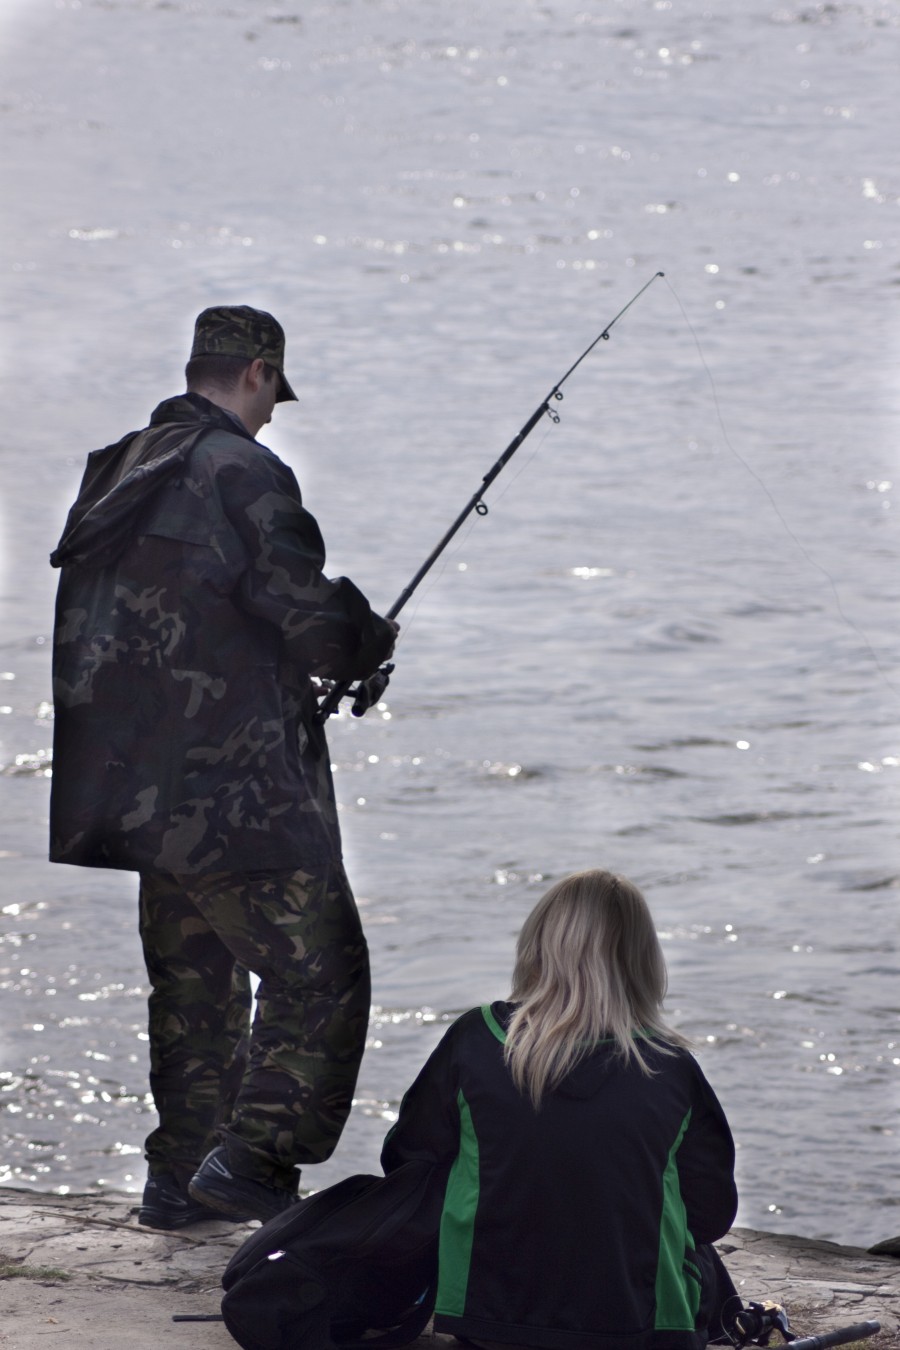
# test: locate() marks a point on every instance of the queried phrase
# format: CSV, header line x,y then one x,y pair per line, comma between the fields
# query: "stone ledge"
x,y
81,1272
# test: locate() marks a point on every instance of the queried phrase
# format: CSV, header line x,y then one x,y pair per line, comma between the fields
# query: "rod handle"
x,y
842,1336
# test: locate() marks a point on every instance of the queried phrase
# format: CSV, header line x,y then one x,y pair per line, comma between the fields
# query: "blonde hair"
x,y
589,966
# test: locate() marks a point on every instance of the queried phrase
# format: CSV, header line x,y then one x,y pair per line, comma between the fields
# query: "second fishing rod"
x,y
369,691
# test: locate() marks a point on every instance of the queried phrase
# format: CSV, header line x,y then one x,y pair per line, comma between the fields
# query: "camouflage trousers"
x,y
276,1093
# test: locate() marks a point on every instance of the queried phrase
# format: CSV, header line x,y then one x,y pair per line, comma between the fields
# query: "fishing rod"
x,y
755,1324
859,1331
369,691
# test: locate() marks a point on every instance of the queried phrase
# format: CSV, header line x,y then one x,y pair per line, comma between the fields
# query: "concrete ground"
x,y
78,1271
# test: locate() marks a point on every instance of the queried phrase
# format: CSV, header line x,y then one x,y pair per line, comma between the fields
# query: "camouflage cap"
x,y
239,330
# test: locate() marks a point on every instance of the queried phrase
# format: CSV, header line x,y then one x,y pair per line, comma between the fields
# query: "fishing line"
x,y
524,466
801,548
462,539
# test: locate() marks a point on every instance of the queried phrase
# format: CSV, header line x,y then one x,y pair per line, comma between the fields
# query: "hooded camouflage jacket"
x,y
192,611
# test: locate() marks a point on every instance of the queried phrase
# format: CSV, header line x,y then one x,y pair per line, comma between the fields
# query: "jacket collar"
x,y
197,410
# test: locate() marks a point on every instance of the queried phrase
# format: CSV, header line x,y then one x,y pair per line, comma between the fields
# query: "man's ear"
x,y
255,374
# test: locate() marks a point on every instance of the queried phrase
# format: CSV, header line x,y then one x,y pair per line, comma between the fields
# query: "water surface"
x,y
671,648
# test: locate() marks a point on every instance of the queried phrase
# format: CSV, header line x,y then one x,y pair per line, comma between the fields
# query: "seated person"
x,y
590,1162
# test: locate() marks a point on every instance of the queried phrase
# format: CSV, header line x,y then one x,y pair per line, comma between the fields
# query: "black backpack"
x,y
356,1258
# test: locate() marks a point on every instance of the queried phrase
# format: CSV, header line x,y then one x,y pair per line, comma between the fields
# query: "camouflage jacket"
x,y
192,611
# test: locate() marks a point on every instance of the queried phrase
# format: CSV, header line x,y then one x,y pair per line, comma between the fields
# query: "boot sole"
x,y
162,1219
206,1193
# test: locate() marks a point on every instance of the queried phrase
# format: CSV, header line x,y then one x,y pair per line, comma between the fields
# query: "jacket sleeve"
x,y
428,1124
706,1166
328,627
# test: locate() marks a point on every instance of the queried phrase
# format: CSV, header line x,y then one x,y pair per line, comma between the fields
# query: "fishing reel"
x,y
369,692
756,1322
364,694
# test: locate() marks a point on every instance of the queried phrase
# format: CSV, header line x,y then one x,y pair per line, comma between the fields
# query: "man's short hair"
x,y
220,372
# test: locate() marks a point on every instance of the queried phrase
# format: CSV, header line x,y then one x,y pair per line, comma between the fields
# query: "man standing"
x,y
192,613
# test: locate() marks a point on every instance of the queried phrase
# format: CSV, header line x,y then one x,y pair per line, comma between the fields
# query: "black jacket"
x,y
574,1226
192,611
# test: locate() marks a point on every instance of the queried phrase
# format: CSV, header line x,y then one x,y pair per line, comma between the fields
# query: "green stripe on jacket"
x,y
458,1219
677,1278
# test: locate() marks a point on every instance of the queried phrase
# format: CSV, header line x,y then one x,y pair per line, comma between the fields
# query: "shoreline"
x,y
78,1270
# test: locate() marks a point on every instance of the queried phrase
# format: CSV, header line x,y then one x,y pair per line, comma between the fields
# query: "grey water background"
x,y
672,646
